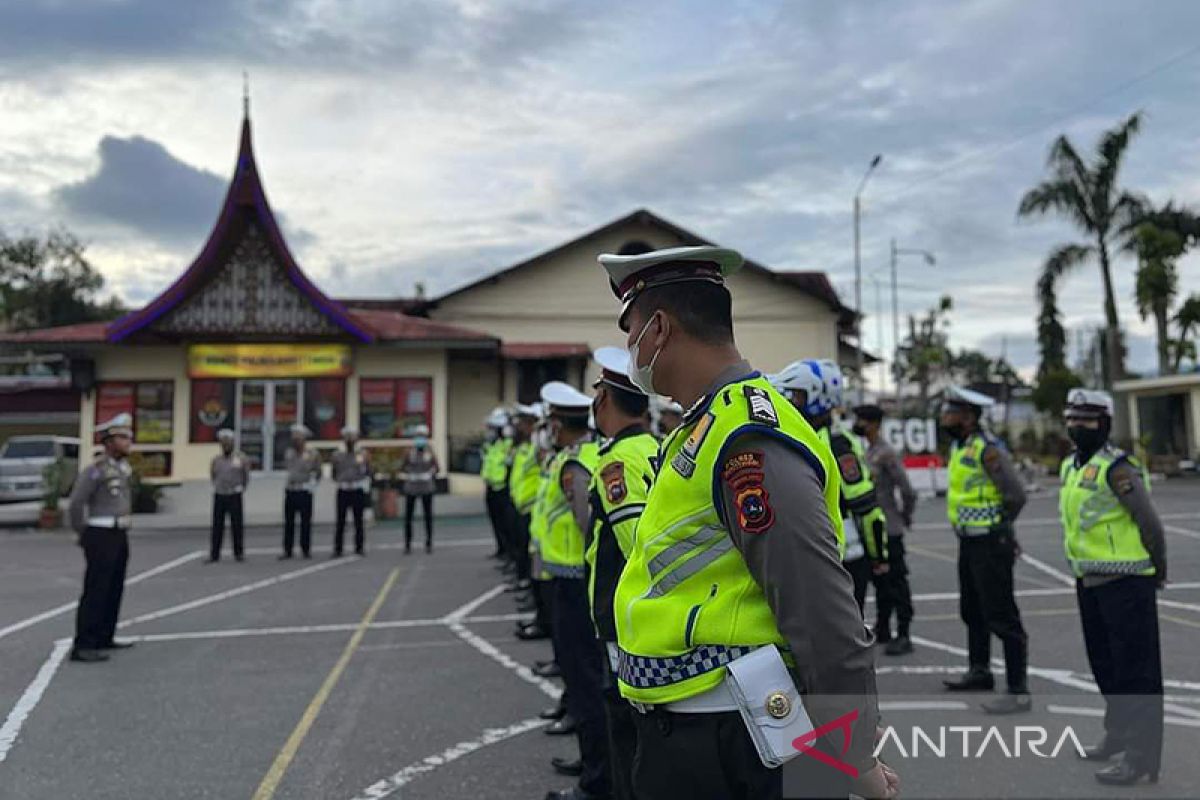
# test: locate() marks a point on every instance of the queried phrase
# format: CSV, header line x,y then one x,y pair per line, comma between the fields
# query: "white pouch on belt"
x,y
769,704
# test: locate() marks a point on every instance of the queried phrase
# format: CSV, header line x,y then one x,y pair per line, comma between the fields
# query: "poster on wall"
x,y
413,405
154,414
113,399
325,407
212,409
378,412
268,360
151,463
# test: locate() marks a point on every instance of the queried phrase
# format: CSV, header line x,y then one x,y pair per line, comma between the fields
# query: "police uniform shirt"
x,y
998,465
890,477
101,490
420,469
349,466
303,468
230,473
795,558
1126,484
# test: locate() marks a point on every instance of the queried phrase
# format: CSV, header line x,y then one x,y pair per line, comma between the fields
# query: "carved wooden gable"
x,y
251,294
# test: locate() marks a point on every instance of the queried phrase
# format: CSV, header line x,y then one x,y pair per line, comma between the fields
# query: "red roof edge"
x,y
245,190
539,350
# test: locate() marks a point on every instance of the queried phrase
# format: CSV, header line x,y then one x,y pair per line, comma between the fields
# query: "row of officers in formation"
x,y
701,574
703,590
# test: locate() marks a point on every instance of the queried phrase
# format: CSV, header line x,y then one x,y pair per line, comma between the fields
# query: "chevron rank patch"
x,y
744,474
613,477
762,410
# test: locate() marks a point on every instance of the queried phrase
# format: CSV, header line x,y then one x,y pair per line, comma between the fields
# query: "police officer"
x,y
737,549
99,510
815,389
230,470
352,474
617,494
1115,544
983,500
303,465
668,415
892,592
494,472
523,477
576,649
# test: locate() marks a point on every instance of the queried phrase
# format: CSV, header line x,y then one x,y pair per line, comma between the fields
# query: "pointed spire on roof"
x,y
245,94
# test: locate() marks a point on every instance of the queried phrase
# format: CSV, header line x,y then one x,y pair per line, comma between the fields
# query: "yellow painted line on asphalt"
x,y
270,782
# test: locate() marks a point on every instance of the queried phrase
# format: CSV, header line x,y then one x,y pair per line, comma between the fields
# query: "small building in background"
x,y
1164,415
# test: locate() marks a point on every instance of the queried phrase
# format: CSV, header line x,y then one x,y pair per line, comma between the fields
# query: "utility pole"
x,y
931,260
858,273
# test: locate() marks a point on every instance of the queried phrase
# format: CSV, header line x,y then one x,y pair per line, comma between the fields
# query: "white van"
x,y
22,460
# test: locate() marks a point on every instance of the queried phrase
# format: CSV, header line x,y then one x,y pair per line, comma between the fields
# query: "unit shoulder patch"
x,y
761,408
849,467
613,478
744,474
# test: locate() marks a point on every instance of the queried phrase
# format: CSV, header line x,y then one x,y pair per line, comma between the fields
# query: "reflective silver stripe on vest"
x,y
644,672
670,555
626,513
689,568
563,570
1089,567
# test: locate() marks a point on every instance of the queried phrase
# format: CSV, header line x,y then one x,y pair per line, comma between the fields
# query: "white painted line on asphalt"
x,y
1053,572
913,669
1177,604
491,736
1063,677
923,705
933,596
1083,711
1173,684
1183,531
341,627
1175,708
503,659
1033,521
225,595
30,697
466,608
65,607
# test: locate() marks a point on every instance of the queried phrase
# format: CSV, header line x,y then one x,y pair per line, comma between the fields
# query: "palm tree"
x,y
1086,193
1188,320
1157,282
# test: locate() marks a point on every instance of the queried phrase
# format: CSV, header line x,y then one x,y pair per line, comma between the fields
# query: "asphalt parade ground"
x,y
398,675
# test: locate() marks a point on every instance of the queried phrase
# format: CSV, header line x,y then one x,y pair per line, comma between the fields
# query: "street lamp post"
x,y
896,253
858,272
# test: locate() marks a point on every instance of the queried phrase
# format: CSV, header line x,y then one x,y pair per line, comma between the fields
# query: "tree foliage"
x,y
924,356
48,281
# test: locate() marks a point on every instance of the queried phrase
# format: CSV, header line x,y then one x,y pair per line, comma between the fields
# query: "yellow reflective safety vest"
x,y
538,516
686,604
494,470
1099,535
859,500
562,543
523,477
973,502
617,496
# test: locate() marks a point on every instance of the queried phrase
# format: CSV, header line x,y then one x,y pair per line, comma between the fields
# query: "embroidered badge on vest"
x,y
762,410
1088,478
613,477
684,461
744,474
848,466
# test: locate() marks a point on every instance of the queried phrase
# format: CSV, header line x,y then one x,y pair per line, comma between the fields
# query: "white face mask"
x,y
642,377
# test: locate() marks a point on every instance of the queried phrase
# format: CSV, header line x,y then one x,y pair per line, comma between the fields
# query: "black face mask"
x,y
955,431
859,429
1088,440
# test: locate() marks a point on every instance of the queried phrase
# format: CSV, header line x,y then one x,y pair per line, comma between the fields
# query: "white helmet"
x,y
810,376
831,373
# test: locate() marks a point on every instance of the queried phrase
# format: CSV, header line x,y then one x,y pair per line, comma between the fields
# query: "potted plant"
x,y
145,495
52,480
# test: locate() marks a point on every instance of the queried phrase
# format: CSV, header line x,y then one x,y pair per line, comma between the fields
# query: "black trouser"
x,y
410,504
622,735
987,605
543,603
297,501
860,571
494,499
711,757
579,657
1120,629
521,543
892,593
223,505
106,553
354,500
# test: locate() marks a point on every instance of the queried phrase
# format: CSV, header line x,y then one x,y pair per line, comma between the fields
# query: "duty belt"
x,y
645,672
350,486
563,570
122,522
716,700
1095,567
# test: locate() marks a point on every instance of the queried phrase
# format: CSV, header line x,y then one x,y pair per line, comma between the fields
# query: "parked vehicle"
x,y
23,460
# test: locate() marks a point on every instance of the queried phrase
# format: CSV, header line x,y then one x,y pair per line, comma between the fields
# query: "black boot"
x,y
1125,773
572,768
975,679
1015,702
899,646
1106,749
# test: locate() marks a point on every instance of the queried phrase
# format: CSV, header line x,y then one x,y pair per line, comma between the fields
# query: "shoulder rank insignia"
x,y
683,465
762,410
696,438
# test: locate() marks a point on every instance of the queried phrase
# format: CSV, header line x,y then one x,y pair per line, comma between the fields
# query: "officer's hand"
x,y
907,517
1016,549
1162,583
879,783
880,568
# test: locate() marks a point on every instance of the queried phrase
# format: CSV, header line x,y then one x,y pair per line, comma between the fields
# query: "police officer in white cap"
x,y
668,415
735,569
99,510
1117,549
230,471
352,474
303,464
983,500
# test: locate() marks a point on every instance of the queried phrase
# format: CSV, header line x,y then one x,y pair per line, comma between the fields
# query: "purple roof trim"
x,y
245,190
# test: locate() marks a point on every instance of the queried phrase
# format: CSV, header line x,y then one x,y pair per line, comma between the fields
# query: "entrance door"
x,y
266,412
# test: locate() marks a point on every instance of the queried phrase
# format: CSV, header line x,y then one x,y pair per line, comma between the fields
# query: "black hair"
x,y
869,413
703,310
631,404
573,422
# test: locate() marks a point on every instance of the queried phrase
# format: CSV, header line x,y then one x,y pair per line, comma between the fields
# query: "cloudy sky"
x,y
437,140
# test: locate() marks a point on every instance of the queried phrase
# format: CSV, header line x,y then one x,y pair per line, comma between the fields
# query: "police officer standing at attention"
x,y
892,592
617,495
230,472
352,474
736,563
99,510
303,474
1117,549
983,500
494,472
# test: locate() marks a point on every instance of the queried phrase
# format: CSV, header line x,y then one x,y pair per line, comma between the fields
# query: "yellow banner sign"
x,y
268,360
